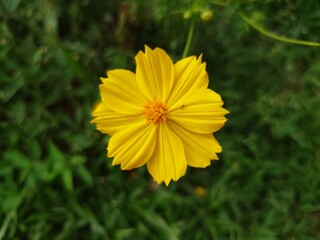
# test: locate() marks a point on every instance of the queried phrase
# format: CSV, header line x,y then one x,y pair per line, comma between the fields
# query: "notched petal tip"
x,y
103,79
146,47
200,57
166,181
93,121
222,110
226,111
139,57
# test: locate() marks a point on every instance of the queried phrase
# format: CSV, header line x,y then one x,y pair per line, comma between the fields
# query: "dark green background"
x,y
55,179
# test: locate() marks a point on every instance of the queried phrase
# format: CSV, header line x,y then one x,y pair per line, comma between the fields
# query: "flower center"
x,y
155,111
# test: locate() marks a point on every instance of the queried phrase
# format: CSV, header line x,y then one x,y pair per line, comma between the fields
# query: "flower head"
x,y
162,116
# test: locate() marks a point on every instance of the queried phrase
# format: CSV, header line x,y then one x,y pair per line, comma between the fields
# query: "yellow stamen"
x,y
155,111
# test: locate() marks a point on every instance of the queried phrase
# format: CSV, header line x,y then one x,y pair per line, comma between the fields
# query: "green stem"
x,y
189,38
275,36
5,224
12,214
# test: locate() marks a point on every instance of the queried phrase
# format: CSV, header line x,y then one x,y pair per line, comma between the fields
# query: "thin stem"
x,y
275,36
5,224
189,38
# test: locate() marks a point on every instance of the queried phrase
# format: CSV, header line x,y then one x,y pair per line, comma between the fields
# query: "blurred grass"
x,y
55,179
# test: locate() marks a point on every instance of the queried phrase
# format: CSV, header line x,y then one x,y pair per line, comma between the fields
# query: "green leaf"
x,y
12,89
85,175
11,5
67,179
55,163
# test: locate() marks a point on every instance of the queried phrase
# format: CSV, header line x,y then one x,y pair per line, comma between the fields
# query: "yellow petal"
x,y
154,73
133,146
200,149
201,112
168,160
109,122
189,74
120,92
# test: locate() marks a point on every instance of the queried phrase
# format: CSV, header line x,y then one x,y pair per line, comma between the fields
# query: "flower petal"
x,y
200,149
201,112
133,146
109,122
168,160
120,92
189,74
154,73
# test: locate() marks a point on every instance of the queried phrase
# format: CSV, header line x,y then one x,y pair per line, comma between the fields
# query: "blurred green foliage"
x,y
55,179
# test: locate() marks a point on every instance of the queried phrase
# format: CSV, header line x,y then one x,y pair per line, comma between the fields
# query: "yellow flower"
x,y
162,116
200,191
